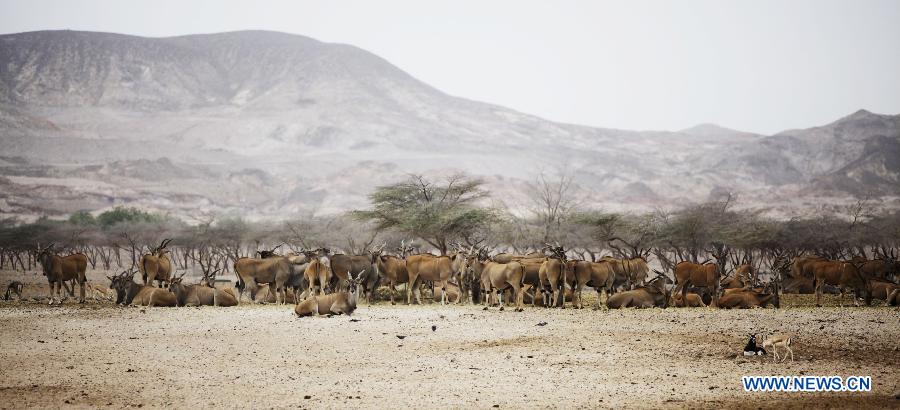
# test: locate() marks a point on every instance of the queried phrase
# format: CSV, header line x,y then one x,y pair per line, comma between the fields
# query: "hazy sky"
x,y
761,66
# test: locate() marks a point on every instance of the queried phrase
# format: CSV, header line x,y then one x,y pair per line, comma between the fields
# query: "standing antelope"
x,y
775,341
424,267
156,265
59,269
843,275
393,270
694,274
498,277
333,303
274,270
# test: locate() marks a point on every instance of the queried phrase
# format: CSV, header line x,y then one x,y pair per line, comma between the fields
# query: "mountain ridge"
x,y
310,126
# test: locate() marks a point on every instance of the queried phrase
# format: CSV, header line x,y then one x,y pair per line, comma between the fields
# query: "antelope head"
x,y
161,249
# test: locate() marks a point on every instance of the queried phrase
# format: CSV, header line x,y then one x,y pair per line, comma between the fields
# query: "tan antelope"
x,y
100,292
532,279
598,275
552,276
393,270
333,303
881,288
129,292
318,276
653,294
201,294
59,269
702,276
633,272
693,300
843,275
274,270
772,343
156,265
427,267
749,298
497,277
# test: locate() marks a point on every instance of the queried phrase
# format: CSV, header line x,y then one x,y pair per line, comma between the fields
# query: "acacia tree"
x,y
438,212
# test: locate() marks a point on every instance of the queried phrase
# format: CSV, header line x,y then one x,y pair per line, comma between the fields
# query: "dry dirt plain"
x,y
261,356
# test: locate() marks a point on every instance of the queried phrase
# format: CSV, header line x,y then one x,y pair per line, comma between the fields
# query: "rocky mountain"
x,y
270,125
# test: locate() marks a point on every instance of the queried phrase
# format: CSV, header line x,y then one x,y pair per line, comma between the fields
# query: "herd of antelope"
x,y
321,282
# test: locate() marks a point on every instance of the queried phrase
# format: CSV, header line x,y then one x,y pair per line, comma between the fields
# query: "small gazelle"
x,y
776,341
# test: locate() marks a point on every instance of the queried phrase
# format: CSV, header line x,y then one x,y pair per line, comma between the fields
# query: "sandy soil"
x,y
262,356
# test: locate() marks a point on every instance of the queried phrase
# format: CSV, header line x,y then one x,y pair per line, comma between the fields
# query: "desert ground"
x,y
262,356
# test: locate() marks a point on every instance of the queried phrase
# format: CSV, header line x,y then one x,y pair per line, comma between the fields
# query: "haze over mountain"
x,y
269,125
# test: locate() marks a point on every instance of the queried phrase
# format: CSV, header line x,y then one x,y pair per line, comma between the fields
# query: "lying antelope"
x,y
654,294
693,300
129,292
100,292
14,287
775,341
332,303
200,294
748,298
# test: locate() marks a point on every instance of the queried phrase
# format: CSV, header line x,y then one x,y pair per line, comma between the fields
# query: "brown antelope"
x,y
801,266
497,277
552,276
427,267
200,294
693,274
881,288
881,268
693,300
318,275
129,292
532,268
742,277
274,270
598,275
393,270
369,281
156,265
775,341
14,287
653,294
894,298
333,303
459,263
843,275
630,272
59,269
748,298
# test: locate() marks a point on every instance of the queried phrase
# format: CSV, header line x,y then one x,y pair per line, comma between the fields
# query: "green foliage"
x,y
121,214
435,212
83,218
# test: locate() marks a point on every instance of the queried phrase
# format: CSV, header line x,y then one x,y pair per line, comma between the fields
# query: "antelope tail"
x,y
144,268
240,279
